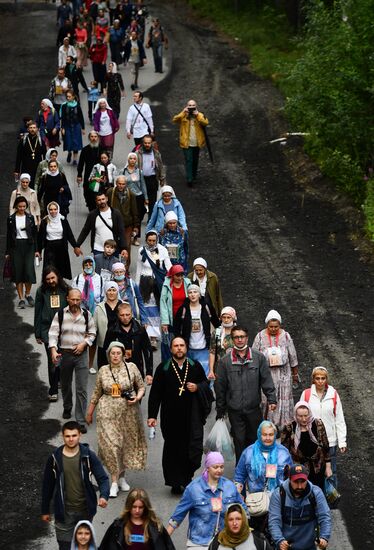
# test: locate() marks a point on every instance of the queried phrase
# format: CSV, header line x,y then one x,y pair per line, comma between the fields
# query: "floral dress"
x,y
120,432
281,343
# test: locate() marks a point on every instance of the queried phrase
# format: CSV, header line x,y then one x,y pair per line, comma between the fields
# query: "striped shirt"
x,y
73,330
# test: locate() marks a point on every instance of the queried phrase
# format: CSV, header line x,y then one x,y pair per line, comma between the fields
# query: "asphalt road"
x,y
272,243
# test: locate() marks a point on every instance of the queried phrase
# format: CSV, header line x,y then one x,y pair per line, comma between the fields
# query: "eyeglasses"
x,y
240,337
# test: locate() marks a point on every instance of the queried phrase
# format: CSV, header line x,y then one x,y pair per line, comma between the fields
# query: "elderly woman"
x,y
221,341
192,321
105,318
136,184
72,126
175,240
106,124
54,188
152,266
167,203
205,499
54,235
24,190
277,346
173,295
237,533
90,284
208,283
21,249
48,121
115,89
137,526
325,404
120,434
307,441
261,466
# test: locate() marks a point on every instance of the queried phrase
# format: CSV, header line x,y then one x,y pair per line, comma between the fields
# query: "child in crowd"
x,y
105,260
93,97
84,536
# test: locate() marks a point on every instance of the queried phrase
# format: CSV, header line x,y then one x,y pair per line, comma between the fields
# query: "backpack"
x,y
307,394
282,493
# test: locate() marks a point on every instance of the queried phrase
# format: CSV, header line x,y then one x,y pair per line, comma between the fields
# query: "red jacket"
x,y
98,53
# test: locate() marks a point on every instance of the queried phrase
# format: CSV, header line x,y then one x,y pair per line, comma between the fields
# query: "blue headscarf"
x,y
258,460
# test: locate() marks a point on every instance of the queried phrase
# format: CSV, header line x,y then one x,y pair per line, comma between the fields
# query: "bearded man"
x,y
90,155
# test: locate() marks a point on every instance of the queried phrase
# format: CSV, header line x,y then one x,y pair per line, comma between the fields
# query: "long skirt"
x,y
73,138
107,142
283,414
56,253
22,259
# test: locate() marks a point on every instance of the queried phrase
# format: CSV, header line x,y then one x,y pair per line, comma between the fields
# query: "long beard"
x,y
94,145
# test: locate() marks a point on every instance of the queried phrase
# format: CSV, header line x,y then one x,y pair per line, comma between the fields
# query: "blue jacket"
x,y
53,121
157,220
244,473
300,518
53,481
196,501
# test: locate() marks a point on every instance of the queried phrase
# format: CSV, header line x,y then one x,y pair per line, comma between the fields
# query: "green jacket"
x,y
44,313
213,294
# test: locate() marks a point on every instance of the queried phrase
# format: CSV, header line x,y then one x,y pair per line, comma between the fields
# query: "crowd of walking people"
x,y
120,310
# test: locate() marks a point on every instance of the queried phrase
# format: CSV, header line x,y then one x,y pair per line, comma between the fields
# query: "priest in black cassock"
x,y
30,151
182,390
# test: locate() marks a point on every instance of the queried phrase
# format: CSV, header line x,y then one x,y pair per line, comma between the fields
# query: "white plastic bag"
x,y
219,440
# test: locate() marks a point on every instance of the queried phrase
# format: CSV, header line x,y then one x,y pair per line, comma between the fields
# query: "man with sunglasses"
x,y
240,377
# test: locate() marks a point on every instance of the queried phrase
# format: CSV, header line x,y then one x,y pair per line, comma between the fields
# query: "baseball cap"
x,y
298,471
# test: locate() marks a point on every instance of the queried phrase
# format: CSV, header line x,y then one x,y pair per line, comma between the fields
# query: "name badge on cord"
x,y
137,538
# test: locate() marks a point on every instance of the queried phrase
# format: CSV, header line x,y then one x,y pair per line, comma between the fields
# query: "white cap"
x,y
200,261
171,216
273,315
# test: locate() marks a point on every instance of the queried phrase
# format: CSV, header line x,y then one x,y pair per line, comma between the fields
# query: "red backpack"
x,y
308,392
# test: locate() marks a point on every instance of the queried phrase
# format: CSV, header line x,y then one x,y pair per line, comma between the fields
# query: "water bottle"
x,y
151,433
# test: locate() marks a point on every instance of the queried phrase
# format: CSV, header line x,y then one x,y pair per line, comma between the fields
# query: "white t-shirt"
x,y
102,232
197,338
21,227
105,125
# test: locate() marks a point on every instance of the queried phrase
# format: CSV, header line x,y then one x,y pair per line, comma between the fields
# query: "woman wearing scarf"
x,y
175,240
48,123
152,266
72,126
90,284
115,89
54,188
167,203
23,189
173,294
51,154
261,466
208,283
53,237
221,341
105,318
106,124
103,174
307,441
237,534
206,500
136,184
192,322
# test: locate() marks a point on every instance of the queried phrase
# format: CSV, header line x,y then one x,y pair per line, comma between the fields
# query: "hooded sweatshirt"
x,y
86,523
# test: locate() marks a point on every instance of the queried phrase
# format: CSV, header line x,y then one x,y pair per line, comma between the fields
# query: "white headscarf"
x,y
48,102
273,315
114,67
100,100
49,153
108,285
167,189
54,225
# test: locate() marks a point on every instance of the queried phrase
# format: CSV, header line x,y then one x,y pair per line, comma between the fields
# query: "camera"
x,y
127,394
191,110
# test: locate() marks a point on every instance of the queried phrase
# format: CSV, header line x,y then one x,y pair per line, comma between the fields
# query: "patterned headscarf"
x,y
305,405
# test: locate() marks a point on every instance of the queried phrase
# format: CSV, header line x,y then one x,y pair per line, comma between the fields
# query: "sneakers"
x,y
30,301
66,414
53,398
124,486
92,370
22,304
114,490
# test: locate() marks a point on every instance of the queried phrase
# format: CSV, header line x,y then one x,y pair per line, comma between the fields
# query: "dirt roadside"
x,y
272,245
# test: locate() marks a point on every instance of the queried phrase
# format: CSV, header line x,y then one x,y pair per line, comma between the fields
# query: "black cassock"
x,y
28,157
182,419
